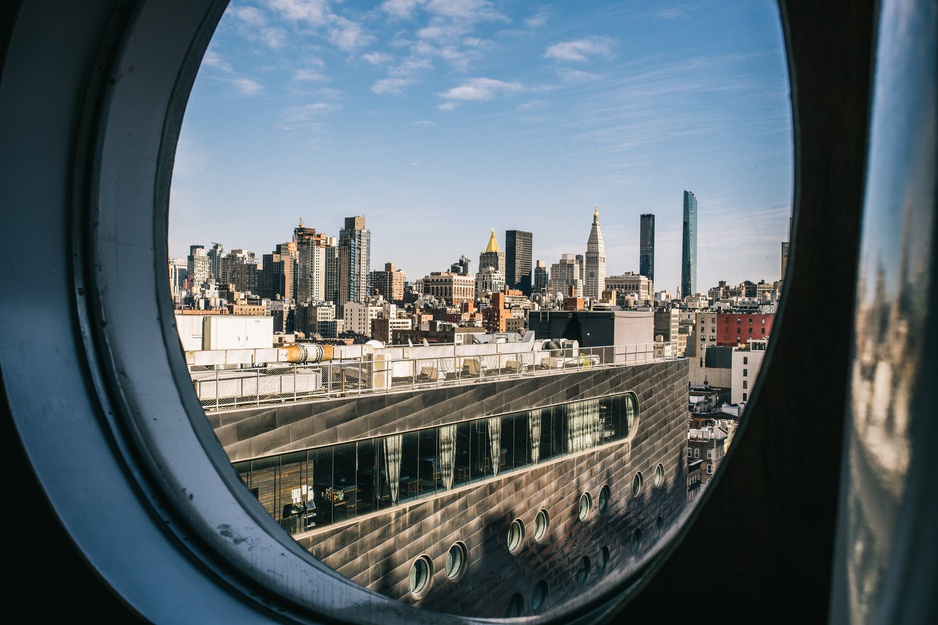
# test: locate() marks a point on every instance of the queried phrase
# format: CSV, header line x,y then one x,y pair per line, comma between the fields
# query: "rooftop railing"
x,y
276,383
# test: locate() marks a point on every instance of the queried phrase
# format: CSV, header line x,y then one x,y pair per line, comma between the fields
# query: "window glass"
x,y
349,180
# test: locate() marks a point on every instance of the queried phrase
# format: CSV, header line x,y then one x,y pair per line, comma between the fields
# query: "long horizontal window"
x,y
318,487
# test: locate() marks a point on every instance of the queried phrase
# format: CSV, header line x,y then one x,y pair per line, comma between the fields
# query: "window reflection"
x,y
328,485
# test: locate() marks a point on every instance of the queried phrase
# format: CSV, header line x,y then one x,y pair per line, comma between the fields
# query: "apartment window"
x,y
745,373
689,454
696,453
745,396
709,469
745,383
745,360
709,454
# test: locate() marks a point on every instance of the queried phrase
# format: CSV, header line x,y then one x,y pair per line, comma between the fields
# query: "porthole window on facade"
x,y
515,536
637,482
539,596
659,527
585,505
515,606
457,560
541,525
603,563
659,475
603,498
421,575
583,571
637,541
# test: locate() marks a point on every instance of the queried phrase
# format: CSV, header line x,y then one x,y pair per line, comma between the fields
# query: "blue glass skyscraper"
x,y
689,246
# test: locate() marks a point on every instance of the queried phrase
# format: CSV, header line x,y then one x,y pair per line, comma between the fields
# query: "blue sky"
x,y
440,120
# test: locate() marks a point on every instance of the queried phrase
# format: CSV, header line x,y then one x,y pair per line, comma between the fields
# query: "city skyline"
x,y
316,116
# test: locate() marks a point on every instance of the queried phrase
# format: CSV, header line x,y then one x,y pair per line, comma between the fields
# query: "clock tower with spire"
x,y
595,282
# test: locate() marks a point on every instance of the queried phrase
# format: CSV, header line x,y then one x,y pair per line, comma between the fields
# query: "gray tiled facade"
x,y
377,550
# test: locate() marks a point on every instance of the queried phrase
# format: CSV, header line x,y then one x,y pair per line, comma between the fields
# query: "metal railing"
x,y
222,389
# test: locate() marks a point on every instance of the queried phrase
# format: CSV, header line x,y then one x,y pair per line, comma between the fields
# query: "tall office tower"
x,y
518,247
689,246
310,264
595,266
331,292
491,257
540,277
215,258
354,260
277,272
646,247
198,267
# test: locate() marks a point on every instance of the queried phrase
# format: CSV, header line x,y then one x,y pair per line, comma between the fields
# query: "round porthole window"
x,y
636,541
541,525
515,606
603,563
421,573
659,475
457,559
637,482
586,502
583,572
659,527
539,597
515,535
603,498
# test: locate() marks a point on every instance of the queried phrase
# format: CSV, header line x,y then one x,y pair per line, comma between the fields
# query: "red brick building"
x,y
736,329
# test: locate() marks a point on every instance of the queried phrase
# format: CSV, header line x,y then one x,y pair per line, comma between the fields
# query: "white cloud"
x,y
377,58
536,20
581,49
393,86
313,12
480,90
309,111
403,9
247,86
308,74
249,15
213,59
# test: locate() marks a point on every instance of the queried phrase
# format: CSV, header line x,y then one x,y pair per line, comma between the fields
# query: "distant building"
x,y
565,275
277,272
354,261
198,267
540,277
630,282
488,281
384,329
708,445
492,257
311,263
388,283
689,246
739,328
646,247
451,288
747,361
595,279
518,254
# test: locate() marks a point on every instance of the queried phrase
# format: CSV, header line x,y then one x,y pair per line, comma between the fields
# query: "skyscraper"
x,y
594,282
311,264
646,247
492,257
518,254
689,246
354,260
